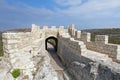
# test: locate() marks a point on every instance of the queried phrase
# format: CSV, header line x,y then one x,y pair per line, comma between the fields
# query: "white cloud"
x,y
69,2
67,11
91,8
21,12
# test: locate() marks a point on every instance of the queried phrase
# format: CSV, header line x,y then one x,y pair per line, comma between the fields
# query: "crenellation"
x,y
61,30
83,57
100,45
45,27
118,54
53,28
35,28
102,39
78,34
73,32
85,37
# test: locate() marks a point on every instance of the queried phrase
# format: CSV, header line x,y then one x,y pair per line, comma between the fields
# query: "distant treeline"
x,y
114,34
1,45
19,30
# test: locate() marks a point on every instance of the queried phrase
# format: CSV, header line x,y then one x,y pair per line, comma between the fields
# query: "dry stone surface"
x,y
82,58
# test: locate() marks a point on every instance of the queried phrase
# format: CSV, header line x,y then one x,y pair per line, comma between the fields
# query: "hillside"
x,y
19,30
1,45
114,34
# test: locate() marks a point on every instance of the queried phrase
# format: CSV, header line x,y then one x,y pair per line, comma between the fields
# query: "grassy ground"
x,y
1,45
112,39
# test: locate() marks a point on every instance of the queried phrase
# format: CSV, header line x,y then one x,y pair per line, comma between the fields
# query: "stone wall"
x,y
53,31
25,50
20,47
14,41
82,67
99,45
69,51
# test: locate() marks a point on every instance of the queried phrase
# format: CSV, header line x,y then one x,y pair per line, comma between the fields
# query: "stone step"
x,y
81,42
83,47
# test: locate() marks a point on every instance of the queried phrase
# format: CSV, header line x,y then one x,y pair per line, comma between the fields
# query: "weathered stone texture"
x,y
26,51
100,44
85,68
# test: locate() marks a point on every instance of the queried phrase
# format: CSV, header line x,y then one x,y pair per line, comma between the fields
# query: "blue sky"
x,y
85,14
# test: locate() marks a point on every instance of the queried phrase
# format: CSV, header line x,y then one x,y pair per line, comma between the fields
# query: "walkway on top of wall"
x,y
96,56
56,63
101,58
54,58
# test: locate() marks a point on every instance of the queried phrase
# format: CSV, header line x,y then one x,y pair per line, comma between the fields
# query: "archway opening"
x,y
53,41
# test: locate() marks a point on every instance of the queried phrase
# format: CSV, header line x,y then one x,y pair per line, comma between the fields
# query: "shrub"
x,y
16,73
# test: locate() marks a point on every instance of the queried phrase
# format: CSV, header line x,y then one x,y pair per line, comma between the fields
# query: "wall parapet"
x,y
99,45
75,46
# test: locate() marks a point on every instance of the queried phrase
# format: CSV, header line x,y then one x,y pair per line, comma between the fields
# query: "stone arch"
x,y
55,39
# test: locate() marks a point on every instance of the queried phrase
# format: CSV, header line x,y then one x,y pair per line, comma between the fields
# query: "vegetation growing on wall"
x,y
16,73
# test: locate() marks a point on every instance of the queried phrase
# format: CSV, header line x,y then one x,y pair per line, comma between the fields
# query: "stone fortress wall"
x,y
80,59
25,50
99,45
74,50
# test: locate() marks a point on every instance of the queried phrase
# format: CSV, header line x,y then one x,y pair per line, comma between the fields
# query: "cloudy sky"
x,y
85,14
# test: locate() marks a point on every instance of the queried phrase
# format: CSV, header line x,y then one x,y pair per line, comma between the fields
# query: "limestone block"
x,y
12,50
10,35
61,28
45,27
72,26
53,28
85,36
11,46
73,32
7,35
101,39
118,52
78,34
35,28
10,41
8,77
88,37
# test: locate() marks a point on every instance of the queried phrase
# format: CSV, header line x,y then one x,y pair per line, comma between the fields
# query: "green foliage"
x,y
16,73
112,39
92,37
1,45
52,42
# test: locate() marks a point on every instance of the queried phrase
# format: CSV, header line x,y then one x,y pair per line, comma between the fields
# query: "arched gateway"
x,y
55,40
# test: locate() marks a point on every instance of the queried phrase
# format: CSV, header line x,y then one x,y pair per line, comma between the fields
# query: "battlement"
x,y
12,41
99,45
74,47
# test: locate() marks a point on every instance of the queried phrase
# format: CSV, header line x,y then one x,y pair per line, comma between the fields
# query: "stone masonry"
x,y
83,59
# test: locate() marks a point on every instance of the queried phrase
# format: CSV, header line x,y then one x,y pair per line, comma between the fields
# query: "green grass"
x,y
16,73
52,41
1,45
112,39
